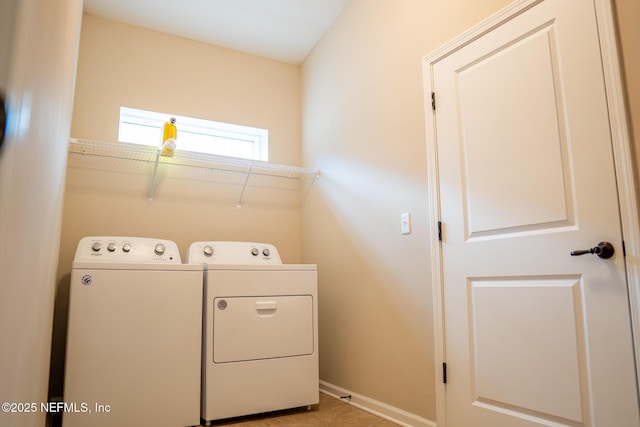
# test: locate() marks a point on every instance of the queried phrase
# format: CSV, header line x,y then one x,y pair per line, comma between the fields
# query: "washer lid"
x,y
233,253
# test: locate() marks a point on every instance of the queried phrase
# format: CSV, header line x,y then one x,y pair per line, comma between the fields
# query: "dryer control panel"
x,y
127,249
233,253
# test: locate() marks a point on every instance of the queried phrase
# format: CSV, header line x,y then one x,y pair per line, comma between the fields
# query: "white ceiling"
x,y
284,30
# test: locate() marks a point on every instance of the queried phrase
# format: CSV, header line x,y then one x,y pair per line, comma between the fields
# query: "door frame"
x,y
623,163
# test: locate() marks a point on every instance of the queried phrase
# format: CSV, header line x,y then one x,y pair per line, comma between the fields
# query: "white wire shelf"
x,y
209,162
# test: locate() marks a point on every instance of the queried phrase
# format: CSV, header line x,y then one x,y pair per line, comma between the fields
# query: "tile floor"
x,y
331,412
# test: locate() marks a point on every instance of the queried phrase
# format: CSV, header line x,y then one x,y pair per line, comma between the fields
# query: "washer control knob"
x,y
111,247
159,249
126,247
255,252
208,250
96,247
266,252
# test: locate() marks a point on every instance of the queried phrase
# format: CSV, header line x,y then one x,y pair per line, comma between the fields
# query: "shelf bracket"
x,y
244,187
152,186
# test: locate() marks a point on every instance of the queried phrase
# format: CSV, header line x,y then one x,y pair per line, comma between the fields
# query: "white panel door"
x,y
533,335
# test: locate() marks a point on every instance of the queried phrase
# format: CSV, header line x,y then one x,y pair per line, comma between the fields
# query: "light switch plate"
x,y
405,223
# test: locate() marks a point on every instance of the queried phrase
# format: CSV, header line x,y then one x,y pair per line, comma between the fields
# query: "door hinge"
x,y
624,249
433,101
444,373
440,231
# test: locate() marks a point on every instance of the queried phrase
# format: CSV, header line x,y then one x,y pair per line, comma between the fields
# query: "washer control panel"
x,y
233,253
127,249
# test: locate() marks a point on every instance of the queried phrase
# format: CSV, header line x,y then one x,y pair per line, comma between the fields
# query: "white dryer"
x,y
260,330
134,335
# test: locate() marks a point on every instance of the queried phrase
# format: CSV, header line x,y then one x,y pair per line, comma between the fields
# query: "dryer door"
x,y
265,327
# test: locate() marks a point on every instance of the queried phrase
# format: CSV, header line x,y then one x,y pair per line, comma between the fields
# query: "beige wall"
x,y
122,65
7,27
628,14
363,127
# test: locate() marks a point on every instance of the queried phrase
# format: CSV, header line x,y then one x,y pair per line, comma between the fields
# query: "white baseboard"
x,y
375,407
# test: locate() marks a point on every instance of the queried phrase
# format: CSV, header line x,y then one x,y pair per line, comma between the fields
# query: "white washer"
x,y
260,330
134,336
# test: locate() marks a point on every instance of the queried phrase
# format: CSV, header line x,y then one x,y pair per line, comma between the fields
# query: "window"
x,y
202,136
